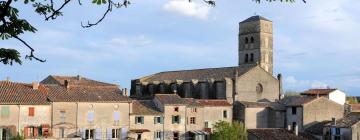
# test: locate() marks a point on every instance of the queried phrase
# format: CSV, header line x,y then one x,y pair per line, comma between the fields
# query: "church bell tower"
x,y
256,43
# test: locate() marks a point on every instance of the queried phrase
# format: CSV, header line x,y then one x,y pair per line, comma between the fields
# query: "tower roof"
x,y
254,18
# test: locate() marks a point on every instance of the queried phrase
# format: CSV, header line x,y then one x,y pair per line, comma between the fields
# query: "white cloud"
x,y
290,82
186,8
139,40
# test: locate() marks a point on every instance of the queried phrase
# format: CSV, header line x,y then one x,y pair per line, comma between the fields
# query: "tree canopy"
x,y
12,26
229,131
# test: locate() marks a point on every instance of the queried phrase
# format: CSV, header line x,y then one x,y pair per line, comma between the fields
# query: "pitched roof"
x,y
59,93
145,107
21,93
296,100
317,128
200,74
74,81
209,102
318,91
254,18
277,134
170,99
348,120
272,105
355,107
192,102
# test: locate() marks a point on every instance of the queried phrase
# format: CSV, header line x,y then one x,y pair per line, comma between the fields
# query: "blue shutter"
x,y
108,133
116,116
142,119
1,131
98,134
82,133
123,133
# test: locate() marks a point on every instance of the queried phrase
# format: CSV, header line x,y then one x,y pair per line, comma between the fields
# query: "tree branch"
x,y
57,11
31,55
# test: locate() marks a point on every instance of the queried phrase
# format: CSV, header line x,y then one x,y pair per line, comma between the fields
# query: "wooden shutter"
x,y
98,134
162,120
82,133
31,111
26,132
36,132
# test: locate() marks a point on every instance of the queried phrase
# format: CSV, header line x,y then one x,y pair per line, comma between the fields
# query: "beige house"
x,y
303,111
24,109
87,109
215,111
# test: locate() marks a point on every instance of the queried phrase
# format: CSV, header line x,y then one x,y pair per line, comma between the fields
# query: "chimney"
x,y
78,77
333,121
125,92
35,85
296,130
66,84
279,77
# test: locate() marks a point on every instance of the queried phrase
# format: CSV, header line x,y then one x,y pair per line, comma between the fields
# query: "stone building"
x,y
303,111
24,108
335,95
86,108
251,80
346,128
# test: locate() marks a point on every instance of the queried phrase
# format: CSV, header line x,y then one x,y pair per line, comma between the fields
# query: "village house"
x,y
88,109
346,128
304,111
276,134
25,110
332,94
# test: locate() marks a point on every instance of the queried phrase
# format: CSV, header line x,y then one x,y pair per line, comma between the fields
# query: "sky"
x,y
316,44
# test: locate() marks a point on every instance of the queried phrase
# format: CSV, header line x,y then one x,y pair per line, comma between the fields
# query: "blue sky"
x,y
315,44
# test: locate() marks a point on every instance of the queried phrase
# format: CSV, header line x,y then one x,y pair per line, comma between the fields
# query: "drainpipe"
x,y
76,121
186,120
19,120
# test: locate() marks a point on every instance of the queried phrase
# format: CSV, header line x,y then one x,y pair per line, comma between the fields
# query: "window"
x,y
139,120
176,119
225,115
252,40
5,134
251,57
89,134
246,40
31,111
62,116
207,124
337,135
194,110
259,88
90,116
176,136
246,58
158,135
115,133
116,116
192,120
293,110
158,120
138,137
5,111
176,109
62,133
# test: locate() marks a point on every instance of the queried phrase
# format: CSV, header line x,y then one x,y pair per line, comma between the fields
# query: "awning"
x,y
139,130
199,132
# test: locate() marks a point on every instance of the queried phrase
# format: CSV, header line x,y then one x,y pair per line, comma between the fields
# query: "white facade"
x,y
337,96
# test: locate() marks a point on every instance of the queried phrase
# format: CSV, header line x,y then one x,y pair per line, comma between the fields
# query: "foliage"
x,y
352,100
229,131
17,137
12,26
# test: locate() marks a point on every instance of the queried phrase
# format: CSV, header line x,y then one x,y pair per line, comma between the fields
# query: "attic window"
x,y
176,109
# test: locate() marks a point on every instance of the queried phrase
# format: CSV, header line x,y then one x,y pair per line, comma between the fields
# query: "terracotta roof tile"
x,y
170,99
73,81
296,100
355,107
145,107
207,102
21,93
278,134
317,128
318,91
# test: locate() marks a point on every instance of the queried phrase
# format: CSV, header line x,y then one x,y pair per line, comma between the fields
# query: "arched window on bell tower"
x,y
246,58
252,40
251,57
246,40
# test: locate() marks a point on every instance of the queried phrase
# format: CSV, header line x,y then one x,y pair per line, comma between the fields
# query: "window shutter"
x,y
179,119
82,133
98,134
31,111
108,134
155,120
155,135
1,131
162,120
36,132
142,120
26,132
123,133
173,119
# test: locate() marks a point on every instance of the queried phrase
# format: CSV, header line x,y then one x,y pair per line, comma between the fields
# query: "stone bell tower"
x,y
256,43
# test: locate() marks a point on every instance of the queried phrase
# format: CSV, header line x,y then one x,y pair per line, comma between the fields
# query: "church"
x,y
252,80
